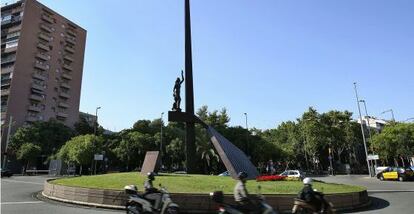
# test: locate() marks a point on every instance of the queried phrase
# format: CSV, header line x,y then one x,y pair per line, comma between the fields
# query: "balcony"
x,y
38,87
8,60
70,40
69,49
10,49
63,105
43,56
31,118
39,76
67,67
35,108
36,97
65,85
66,76
47,19
46,28
61,114
7,70
71,32
14,29
11,21
64,95
67,57
5,92
43,47
45,37
41,66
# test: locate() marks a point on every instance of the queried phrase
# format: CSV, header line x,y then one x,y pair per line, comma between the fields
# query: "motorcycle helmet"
x,y
307,181
151,176
242,175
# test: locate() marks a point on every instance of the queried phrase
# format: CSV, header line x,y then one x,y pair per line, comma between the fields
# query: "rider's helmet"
x,y
242,175
151,176
307,181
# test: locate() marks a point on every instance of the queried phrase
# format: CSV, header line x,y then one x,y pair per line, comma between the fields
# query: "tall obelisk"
x,y
189,94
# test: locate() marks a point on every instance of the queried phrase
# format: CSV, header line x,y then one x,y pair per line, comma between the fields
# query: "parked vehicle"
x,y
396,173
5,172
293,174
226,208
138,203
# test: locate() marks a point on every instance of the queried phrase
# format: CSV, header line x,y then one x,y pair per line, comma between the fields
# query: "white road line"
x,y
21,202
26,182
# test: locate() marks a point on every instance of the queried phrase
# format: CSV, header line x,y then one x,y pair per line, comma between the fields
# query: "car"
x,y
293,174
5,173
226,173
396,173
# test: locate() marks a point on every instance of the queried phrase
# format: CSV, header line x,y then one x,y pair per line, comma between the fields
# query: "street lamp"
x,y
96,120
366,116
362,129
247,134
162,114
392,113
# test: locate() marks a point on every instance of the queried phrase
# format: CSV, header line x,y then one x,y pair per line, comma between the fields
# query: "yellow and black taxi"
x,y
396,173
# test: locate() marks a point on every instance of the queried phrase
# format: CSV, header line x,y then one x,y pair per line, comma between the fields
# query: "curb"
x,y
389,191
84,203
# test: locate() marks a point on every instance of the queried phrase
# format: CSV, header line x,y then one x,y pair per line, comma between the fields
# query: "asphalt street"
x,y
18,195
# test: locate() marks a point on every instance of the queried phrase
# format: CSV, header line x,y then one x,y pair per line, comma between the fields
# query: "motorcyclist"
x,y
312,197
151,193
241,196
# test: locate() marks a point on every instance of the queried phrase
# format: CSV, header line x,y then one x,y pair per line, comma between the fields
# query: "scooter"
x,y
226,208
141,203
301,206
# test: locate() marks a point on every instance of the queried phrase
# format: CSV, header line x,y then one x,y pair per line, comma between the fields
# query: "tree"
x,y
81,149
396,141
28,152
83,127
49,136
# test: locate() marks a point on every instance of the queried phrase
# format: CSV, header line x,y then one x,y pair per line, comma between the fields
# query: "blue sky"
x,y
272,59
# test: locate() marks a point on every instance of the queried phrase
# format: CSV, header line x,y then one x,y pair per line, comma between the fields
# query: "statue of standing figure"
x,y
176,92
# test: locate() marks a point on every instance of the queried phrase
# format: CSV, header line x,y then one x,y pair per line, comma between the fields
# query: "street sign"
x,y
373,157
98,157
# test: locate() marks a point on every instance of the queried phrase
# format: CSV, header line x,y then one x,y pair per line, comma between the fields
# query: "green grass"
x,y
197,183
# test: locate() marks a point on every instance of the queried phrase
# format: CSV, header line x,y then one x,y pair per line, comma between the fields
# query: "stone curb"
x,y
189,203
83,203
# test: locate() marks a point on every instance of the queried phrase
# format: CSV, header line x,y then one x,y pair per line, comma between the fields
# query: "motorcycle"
x,y
226,208
158,202
301,206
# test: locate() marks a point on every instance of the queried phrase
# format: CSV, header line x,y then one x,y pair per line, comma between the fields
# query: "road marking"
x,y
21,202
26,182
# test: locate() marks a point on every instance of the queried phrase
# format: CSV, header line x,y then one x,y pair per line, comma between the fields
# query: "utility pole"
x,y
369,130
392,114
247,135
96,120
7,142
362,129
161,136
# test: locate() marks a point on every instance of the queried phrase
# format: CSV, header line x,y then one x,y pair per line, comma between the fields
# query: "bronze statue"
x,y
176,92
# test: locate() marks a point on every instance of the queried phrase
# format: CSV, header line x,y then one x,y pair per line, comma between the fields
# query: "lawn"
x,y
197,183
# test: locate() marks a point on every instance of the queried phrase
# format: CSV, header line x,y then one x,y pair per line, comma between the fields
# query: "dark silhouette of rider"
x,y
245,203
151,193
312,197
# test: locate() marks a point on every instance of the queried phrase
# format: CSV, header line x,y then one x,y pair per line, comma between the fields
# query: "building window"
x,y
6,17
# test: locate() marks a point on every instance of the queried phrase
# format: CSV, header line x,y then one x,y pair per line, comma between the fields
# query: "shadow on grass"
x,y
376,204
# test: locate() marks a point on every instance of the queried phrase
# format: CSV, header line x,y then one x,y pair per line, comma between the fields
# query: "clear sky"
x,y
272,59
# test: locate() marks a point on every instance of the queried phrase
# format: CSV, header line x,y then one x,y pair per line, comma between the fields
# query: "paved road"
x,y
18,196
386,196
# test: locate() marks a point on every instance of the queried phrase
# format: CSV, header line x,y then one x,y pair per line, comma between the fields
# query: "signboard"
x,y
151,162
98,157
373,157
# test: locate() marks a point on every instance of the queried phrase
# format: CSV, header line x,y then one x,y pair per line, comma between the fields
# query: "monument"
x,y
233,158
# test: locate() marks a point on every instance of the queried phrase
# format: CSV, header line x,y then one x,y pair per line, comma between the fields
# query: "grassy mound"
x,y
197,183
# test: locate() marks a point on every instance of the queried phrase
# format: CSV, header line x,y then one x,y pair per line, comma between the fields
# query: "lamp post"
x,y
392,114
362,129
247,134
96,120
369,130
162,114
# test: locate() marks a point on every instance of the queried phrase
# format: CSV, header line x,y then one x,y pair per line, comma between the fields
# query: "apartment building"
x,y
42,57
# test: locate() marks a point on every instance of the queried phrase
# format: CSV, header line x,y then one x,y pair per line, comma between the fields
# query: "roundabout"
x,y
191,192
